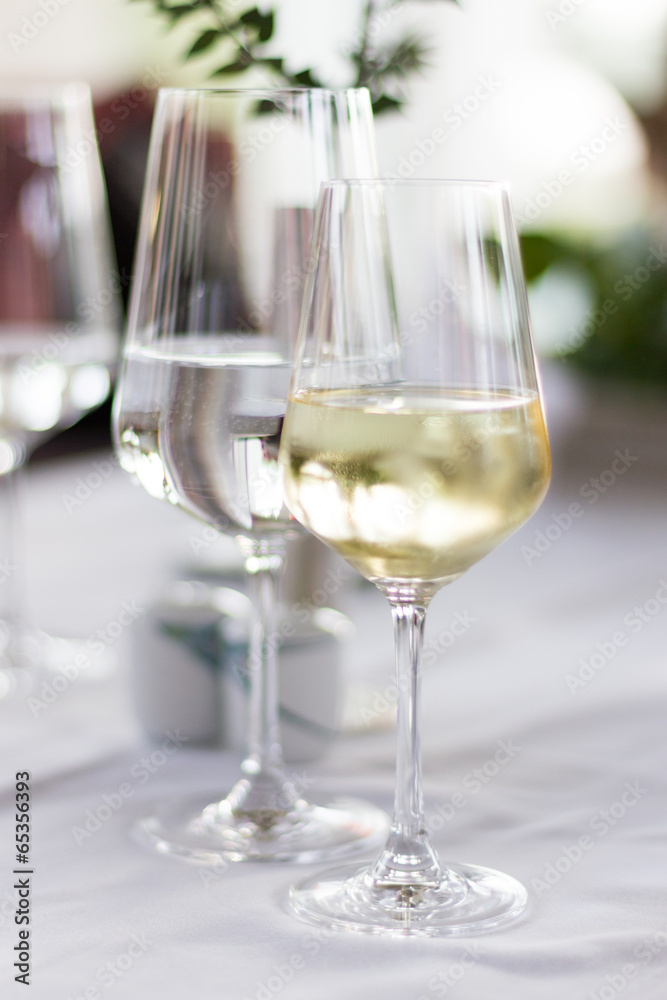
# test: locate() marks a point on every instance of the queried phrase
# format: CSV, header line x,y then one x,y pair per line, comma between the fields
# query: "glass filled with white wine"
x,y
222,258
60,313
414,443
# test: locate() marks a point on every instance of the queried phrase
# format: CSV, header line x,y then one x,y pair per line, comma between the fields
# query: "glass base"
x,y
196,829
34,662
468,900
14,683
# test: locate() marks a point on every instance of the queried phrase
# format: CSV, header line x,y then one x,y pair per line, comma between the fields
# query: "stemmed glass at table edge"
x,y
405,890
72,327
264,817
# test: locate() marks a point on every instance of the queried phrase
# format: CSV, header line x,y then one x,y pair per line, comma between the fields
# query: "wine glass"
x,y
59,309
222,257
414,443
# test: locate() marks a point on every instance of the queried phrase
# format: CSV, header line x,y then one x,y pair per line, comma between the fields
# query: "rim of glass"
x,y
413,182
256,91
69,92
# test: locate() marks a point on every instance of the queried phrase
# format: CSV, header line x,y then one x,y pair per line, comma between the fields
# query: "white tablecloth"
x,y
562,662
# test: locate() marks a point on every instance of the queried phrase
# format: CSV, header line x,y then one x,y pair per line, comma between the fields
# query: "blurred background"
x,y
565,100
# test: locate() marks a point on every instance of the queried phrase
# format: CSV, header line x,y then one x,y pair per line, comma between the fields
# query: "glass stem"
x,y
408,859
264,793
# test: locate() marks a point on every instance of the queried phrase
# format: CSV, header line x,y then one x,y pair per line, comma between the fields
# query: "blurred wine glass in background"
x,y
59,314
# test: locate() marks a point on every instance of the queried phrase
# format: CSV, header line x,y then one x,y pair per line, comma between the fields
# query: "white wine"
x,y
48,379
413,483
203,428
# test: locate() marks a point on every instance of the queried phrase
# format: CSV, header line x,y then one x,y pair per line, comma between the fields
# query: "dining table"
x,y
544,746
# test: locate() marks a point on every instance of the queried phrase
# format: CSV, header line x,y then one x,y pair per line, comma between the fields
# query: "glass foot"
x,y
36,663
196,829
467,900
14,683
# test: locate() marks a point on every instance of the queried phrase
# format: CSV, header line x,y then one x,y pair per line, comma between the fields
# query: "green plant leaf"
x,y
402,59
384,103
179,11
383,70
241,63
265,108
540,252
272,63
204,42
264,23
306,78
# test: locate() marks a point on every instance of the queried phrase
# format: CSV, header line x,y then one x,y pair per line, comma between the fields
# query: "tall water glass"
x,y
222,258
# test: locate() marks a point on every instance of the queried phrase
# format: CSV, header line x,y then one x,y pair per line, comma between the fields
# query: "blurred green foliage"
x,y
382,66
624,334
